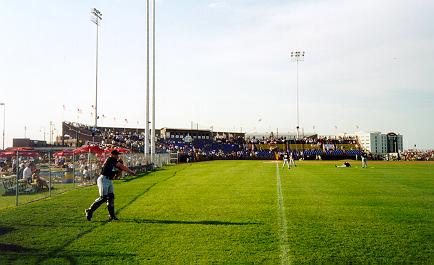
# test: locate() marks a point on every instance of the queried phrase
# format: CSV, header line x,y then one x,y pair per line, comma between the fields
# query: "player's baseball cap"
x,y
115,152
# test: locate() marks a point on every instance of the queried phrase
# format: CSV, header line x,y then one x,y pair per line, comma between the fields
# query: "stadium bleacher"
x,y
222,148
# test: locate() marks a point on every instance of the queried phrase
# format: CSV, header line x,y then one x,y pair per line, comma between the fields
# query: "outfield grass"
x,y
23,198
232,212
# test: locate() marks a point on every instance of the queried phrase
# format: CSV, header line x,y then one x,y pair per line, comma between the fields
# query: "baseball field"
x,y
236,212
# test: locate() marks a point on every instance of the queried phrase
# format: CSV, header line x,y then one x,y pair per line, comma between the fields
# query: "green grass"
x,y
227,212
9,200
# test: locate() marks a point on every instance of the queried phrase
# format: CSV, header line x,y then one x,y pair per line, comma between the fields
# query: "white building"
x,y
379,143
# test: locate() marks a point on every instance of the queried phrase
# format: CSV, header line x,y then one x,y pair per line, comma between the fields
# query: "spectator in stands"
x,y
41,183
86,173
3,166
14,164
27,173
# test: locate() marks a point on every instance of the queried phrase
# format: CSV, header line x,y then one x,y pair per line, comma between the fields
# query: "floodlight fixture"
x,y
97,17
297,56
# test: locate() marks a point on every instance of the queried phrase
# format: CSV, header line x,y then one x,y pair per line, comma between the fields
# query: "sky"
x,y
369,65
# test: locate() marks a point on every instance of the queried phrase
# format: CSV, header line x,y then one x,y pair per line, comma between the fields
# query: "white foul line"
x,y
284,248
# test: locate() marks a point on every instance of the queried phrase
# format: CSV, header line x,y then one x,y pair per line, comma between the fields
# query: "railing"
x,y
26,177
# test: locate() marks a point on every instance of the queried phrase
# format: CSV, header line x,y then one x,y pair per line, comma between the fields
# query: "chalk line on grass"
x,y
283,231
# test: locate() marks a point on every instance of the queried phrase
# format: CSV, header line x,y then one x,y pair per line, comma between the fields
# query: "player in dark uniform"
x,y
109,171
285,160
345,164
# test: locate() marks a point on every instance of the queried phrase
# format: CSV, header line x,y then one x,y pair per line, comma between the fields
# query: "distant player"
x,y
291,160
285,160
345,164
109,171
364,160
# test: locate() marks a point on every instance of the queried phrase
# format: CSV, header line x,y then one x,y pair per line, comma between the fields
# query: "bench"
x,y
10,184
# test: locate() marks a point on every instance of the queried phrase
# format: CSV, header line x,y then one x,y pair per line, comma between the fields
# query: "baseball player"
x,y
285,160
364,160
291,160
109,171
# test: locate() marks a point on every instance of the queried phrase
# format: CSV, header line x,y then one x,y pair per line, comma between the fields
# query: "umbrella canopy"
x,y
88,149
119,149
28,154
6,154
15,149
20,153
64,153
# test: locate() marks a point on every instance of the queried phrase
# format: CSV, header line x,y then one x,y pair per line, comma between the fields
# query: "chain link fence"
x,y
31,176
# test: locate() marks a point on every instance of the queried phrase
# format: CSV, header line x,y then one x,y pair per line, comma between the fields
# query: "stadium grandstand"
x,y
198,145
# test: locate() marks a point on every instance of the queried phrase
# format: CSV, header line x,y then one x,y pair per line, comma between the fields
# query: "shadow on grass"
x,y
130,178
13,248
57,252
46,225
71,257
4,230
205,222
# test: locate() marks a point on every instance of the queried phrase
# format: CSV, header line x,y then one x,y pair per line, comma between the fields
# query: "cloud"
x,y
219,4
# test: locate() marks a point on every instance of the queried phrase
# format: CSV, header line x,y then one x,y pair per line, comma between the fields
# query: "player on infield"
x,y
285,160
105,185
364,160
291,160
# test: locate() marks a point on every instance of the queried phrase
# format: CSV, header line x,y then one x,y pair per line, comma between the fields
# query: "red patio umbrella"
x,y
15,149
64,153
119,149
7,154
28,154
88,149
20,153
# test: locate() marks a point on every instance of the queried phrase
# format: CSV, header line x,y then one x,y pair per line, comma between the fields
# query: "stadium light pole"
x,y
97,17
153,84
297,56
51,129
146,145
4,122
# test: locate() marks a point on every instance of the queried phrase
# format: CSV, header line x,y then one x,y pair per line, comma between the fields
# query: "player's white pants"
x,y
105,186
364,162
285,162
291,162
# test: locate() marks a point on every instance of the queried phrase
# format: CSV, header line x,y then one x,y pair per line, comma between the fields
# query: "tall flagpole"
x,y
153,85
146,146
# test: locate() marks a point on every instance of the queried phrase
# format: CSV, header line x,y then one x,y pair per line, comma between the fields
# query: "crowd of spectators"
x,y
126,139
225,148
417,155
